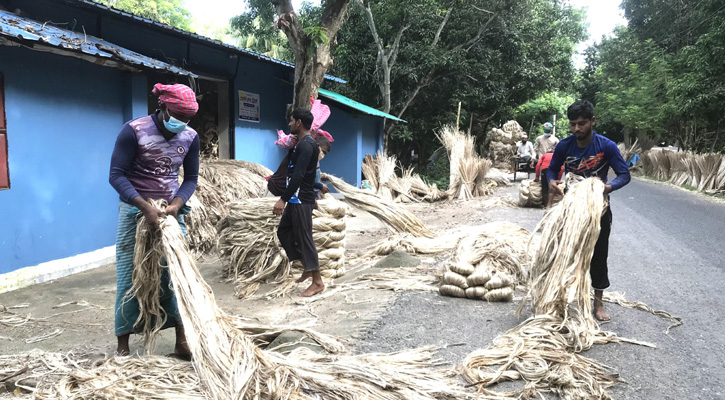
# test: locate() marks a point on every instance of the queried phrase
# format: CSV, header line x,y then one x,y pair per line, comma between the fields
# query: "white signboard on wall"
x,y
249,106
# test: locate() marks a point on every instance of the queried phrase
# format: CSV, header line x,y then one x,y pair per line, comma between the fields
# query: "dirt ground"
x,y
368,320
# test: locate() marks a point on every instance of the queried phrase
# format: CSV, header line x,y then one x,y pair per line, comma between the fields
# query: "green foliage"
x,y
438,172
541,109
170,12
663,75
523,49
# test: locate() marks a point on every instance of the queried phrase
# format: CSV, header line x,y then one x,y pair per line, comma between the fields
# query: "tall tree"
x,y
490,55
310,44
170,12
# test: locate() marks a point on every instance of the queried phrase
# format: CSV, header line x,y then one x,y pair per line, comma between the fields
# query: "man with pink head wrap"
x,y
145,165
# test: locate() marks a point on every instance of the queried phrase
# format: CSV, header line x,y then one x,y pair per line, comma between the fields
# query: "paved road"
x,y
667,249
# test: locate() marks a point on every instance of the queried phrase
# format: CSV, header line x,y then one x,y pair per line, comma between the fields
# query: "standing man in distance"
x,y
298,201
588,154
546,142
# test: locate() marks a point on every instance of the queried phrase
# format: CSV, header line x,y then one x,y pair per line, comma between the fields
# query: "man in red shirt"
x,y
541,168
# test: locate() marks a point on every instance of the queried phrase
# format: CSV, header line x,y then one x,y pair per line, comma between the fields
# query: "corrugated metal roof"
x,y
356,105
192,35
25,29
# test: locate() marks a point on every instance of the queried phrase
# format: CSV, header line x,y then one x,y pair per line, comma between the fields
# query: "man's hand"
x,y
279,207
554,187
153,216
324,189
173,208
607,189
324,177
536,179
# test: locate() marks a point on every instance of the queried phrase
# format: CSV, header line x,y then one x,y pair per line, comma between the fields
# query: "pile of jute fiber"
x,y
502,145
395,217
230,366
488,264
251,252
544,349
220,182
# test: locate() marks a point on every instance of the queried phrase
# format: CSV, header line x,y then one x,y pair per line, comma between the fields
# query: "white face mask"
x,y
547,134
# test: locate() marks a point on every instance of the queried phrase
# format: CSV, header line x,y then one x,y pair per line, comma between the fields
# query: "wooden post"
x,y
458,119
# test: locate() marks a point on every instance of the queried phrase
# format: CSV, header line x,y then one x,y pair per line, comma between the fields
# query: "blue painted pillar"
x,y
359,150
135,102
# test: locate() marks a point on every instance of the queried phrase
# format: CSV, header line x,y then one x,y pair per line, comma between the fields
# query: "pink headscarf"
x,y
179,99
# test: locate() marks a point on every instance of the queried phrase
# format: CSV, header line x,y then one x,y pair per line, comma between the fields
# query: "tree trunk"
x,y
312,59
625,132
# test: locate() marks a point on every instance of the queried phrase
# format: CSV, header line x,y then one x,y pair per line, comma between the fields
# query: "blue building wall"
x,y
63,115
62,125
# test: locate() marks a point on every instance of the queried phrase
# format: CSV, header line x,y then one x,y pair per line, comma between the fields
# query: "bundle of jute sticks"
x,y
252,254
488,264
229,365
467,170
220,182
380,172
706,172
544,349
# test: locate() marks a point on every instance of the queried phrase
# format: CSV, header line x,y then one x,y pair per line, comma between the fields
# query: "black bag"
x,y
277,183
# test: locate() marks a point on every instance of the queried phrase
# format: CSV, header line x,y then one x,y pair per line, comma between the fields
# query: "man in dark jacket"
x,y
298,201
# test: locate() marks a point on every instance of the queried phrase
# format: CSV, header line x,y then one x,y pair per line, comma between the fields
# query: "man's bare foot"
x,y
313,289
600,314
122,349
305,276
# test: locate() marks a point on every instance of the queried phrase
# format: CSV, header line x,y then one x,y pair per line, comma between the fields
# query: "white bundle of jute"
x,y
392,215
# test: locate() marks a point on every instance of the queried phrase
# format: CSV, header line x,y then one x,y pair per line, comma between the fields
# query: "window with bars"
x,y
4,172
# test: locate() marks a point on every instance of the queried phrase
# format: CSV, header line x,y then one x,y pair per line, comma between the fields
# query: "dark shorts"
x,y
295,235
544,186
599,270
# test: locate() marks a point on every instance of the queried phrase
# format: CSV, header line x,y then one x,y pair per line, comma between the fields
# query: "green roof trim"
x,y
356,105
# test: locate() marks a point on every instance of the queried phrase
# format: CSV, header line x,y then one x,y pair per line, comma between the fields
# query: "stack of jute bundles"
x,y
251,252
220,182
530,194
329,227
467,170
503,144
488,264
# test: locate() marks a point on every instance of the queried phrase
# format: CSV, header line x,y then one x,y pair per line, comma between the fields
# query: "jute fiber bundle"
x,y
503,144
709,165
530,194
468,170
647,163
662,161
543,350
231,366
498,177
628,152
393,216
220,182
720,179
252,254
488,264
409,187
421,245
